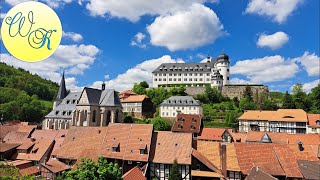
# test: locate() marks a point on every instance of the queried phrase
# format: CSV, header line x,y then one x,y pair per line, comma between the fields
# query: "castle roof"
x,y
185,67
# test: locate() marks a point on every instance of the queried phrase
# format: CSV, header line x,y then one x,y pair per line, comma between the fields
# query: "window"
x,y
318,122
129,162
155,74
155,79
164,79
192,127
227,70
190,79
57,112
314,129
68,101
180,126
173,114
174,74
228,78
142,151
181,119
194,120
114,149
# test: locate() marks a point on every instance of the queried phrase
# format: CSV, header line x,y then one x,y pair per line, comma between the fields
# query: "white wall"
x,y
172,111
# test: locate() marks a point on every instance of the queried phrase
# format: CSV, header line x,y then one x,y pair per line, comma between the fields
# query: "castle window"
x,y
68,101
227,70
155,79
57,112
63,113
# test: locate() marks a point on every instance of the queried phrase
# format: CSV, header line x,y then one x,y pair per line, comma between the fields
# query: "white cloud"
x,y
310,62
134,9
107,76
185,29
239,81
51,3
278,10
308,86
2,15
273,41
137,41
141,72
266,69
74,59
73,36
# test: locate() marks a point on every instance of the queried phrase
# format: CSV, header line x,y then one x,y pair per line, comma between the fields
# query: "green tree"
x,y
248,93
140,88
161,124
174,171
101,170
269,105
158,95
9,172
287,101
247,104
300,97
314,97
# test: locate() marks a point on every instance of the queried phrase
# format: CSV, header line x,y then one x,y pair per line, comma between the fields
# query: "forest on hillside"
x,y
24,96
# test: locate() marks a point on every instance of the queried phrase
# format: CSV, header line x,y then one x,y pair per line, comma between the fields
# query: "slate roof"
x,y
187,123
62,92
67,104
168,146
310,169
180,101
284,115
185,67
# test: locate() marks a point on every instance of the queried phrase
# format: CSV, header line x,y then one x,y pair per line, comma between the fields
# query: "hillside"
x,y
24,96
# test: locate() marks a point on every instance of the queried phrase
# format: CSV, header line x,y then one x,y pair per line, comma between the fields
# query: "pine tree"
x,y
174,172
287,101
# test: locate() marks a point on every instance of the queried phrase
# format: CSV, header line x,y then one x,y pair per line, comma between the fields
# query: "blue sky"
x,y
275,43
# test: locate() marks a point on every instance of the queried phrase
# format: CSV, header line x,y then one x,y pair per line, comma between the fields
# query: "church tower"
x,y
62,92
223,66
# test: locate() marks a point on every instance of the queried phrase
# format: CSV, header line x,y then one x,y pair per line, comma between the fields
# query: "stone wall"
x,y
235,90
195,90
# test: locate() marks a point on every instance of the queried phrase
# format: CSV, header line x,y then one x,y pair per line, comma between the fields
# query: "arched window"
x,y
116,116
108,118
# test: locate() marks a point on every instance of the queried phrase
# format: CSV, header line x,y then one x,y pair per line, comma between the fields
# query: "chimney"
x,y
103,86
300,146
223,159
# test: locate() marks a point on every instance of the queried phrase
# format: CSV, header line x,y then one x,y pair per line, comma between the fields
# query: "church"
x,y
89,107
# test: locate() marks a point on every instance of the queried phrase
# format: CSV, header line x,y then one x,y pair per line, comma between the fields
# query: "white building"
x,y
174,105
214,72
292,121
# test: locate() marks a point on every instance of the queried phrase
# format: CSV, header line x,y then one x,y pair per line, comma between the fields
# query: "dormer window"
x,y
180,126
143,148
57,112
68,101
181,119
194,120
318,122
192,127
34,151
115,146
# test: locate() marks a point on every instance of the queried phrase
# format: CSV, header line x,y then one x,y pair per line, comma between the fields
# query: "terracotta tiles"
x,y
256,136
205,161
211,150
187,123
134,98
257,173
134,174
310,169
16,137
313,118
308,153
214,134
7,146
5,129
168,146
304,138
37,151
286,115
261,155
55,166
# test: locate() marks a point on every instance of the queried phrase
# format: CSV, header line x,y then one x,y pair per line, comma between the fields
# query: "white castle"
x,y
214,72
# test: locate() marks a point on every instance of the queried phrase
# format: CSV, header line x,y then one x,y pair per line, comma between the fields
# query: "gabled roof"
x,y
67,104
257,173
35,152
213,134
284,115
4,147
134,174
55,166
190,123
185,67
205,161
313,119
134,98
109,97
168,146
310,169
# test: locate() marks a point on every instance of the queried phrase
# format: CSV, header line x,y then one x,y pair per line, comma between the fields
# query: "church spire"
x,y
62,93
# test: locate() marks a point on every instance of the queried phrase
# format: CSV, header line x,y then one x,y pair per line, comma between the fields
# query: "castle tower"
x,y
223,66
216,79
62,92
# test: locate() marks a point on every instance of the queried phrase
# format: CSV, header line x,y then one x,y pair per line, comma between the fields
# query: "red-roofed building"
x,y
215,134
126,93
313,123
53,168
188,123
134,174
139,106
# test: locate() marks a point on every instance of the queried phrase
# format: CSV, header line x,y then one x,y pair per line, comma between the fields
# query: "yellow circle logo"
x,y
31,31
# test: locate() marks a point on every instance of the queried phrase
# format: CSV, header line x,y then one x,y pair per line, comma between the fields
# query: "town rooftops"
x,y
134,98
257,173
55,166
184,67
314,120
180,101
168,146
117,141
107,97
187,123
126,93
284,115
4,147
310,169
35,149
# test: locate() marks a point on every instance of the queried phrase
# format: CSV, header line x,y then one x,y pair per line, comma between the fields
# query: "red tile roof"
x,y
134,98
37,151
257,173
134,174
187,123
313,118
205,161
55,166
213,134
7,146
168,146
285,115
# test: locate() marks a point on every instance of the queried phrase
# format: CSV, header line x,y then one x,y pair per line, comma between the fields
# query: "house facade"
x,y
139,106
293,121
313,124
175,105
213,72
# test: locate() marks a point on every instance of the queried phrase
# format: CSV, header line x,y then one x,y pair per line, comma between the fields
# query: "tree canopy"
x,y
174,172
